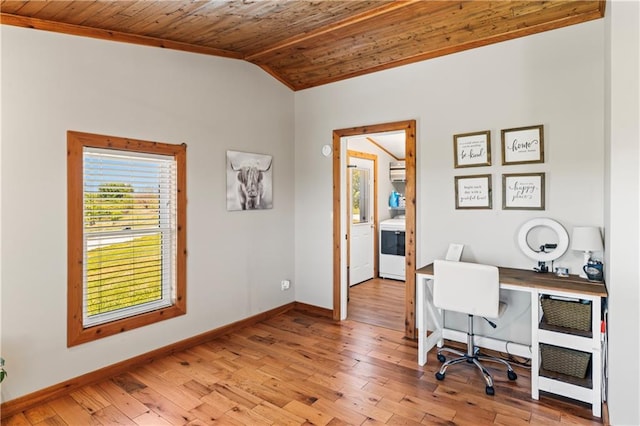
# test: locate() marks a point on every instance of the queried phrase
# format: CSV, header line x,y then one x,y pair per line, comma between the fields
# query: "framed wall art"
x,y
473,192
523,191
472,149
249,181
523,145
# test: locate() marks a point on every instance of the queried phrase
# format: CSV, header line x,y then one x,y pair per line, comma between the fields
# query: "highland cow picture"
x,y
249,181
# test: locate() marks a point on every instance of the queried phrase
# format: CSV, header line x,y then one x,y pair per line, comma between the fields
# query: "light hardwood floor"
x,y
378,301
301,369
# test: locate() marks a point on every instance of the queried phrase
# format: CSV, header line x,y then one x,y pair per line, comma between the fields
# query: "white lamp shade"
x,y
586,238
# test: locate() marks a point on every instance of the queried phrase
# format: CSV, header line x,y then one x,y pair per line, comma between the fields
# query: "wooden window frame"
x,y
76,141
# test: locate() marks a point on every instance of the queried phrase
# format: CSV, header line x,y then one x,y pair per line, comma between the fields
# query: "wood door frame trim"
x,y
409,127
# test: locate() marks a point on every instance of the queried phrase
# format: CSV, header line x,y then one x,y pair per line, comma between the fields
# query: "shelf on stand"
x,y
544,325
585,383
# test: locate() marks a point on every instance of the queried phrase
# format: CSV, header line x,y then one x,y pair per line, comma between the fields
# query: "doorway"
x,y
340,237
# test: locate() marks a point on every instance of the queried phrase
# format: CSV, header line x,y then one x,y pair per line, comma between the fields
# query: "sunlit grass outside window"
x,y
124,274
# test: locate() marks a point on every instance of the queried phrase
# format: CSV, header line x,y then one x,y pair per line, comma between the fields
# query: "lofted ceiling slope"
x,y
306,43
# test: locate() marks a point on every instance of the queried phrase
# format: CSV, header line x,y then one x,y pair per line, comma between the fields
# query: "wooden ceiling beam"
x,y
303,38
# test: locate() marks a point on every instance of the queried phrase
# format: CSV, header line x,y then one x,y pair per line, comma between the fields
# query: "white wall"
x,y
555,79
622,209
52,83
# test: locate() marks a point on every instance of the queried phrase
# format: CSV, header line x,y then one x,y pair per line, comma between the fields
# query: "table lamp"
x,y
586,239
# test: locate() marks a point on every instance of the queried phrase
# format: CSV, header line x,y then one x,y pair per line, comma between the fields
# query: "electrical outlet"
x,y
285,284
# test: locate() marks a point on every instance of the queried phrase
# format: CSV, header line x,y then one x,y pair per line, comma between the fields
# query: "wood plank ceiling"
x,y
306,43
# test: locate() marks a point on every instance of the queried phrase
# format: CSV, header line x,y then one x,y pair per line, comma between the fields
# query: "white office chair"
x,y
472,289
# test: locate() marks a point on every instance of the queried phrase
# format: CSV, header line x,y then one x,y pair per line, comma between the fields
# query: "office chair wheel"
x,y
441,358
439,376
512,375
489,390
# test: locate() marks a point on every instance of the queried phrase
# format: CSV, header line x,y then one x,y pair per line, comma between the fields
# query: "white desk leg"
x,y
422,323
437,318
596,380
535,352
596,361
425,308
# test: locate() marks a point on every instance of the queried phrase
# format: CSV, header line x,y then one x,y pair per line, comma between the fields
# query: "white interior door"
x,y
361,223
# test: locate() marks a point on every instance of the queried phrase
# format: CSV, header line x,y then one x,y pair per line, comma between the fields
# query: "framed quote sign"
x,y
523,145
523,191
473,192
472,149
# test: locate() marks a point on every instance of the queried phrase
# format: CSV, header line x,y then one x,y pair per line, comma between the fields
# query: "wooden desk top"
x,y
533,279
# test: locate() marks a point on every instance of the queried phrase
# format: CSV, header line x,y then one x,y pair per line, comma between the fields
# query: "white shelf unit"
x,y
589,389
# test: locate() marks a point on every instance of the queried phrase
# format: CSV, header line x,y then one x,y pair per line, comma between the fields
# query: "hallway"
x,y
378,301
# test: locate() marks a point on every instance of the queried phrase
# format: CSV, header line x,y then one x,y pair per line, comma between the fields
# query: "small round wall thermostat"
x,y
326,150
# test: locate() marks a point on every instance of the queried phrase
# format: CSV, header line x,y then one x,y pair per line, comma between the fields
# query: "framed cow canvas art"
x,y
249,181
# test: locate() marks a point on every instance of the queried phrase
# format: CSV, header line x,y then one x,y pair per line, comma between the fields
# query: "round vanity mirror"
x,y
545,251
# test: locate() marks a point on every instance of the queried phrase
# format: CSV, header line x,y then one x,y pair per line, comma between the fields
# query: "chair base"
x,y
473,356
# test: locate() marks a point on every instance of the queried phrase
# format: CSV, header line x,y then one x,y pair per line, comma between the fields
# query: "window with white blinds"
x,y
129,233
127,213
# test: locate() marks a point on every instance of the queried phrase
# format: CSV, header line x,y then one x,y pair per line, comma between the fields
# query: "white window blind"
x,y
129,234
